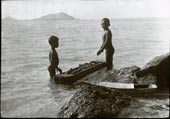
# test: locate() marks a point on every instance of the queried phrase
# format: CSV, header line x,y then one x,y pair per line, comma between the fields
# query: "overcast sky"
x,y
86,9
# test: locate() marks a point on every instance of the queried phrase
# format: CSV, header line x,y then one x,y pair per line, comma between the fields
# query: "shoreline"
x,y
158,104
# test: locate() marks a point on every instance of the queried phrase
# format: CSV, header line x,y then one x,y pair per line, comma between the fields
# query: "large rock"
x,y
128,70
125,74
156,60
94,102
158,67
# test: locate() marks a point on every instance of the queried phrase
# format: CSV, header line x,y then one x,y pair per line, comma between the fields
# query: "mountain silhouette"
x,y
9,19
58,16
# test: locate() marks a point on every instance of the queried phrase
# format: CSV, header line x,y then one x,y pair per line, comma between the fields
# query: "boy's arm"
x,y
104,43
59,69
56,60
50,58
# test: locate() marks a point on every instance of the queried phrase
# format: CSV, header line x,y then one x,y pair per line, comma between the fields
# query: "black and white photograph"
x,y
85,58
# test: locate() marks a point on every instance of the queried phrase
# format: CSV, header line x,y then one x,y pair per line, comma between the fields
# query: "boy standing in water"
x,y
107,43
53,56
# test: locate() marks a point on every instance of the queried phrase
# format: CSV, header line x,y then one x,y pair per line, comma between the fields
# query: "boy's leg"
x,y
109,59
51,71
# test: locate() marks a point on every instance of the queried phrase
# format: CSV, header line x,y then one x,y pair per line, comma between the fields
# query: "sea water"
x,y
26,90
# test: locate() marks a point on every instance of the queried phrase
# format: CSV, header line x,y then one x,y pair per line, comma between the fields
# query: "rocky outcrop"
x,y
128,70
158,67
124,75
157,60
94,102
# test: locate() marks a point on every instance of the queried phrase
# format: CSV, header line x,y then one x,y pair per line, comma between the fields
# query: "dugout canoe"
x,y
79,72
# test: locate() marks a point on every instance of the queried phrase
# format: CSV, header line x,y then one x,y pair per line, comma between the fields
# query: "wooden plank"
x,y
124,85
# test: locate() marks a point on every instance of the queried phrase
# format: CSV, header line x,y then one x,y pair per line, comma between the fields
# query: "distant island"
x,y
58,16
9,19
64,16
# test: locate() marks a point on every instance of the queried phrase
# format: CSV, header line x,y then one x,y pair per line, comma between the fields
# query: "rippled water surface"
x,y
26,90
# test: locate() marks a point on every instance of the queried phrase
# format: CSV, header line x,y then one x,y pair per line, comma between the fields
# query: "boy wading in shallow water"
x,y
53,56
107,43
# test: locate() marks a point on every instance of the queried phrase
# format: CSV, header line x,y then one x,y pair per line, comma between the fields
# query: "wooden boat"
x,y
137,90
79,72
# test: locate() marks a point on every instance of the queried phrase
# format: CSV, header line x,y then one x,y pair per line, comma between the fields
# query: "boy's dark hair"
x,y
52,39
107,21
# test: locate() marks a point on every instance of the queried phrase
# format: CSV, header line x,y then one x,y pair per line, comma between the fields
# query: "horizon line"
x,y
90,18
132,17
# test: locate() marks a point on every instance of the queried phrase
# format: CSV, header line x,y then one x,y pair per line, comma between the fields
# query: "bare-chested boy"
x,y
107,43
53,56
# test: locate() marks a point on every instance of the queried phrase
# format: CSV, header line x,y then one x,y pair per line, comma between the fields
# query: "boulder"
x,y
92,101
156,60
125,74
128,70
146,80
159,67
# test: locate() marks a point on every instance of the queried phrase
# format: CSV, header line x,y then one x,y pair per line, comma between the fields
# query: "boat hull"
x,y
66,78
